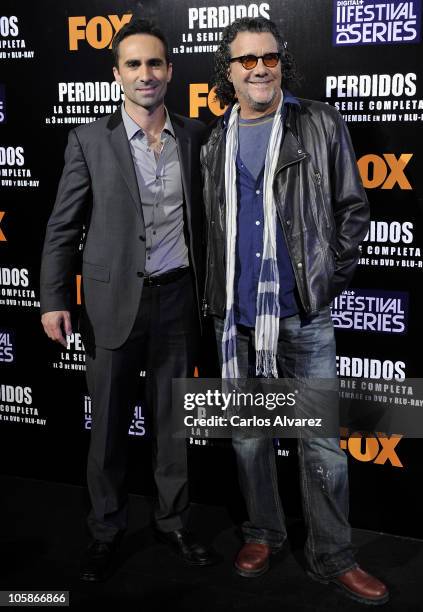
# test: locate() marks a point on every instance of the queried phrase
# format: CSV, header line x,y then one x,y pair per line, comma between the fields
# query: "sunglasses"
x,y
270,60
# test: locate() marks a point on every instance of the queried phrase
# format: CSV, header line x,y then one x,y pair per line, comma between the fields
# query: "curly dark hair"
x,y
225,92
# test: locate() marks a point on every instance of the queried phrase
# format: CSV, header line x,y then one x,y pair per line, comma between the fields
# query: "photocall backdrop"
x,y
56,73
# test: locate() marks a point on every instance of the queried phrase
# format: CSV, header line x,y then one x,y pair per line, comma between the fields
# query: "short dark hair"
x,y
138,26
224,89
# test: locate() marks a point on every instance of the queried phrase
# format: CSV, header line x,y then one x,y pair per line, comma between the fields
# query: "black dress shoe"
x,y
97,562
185,545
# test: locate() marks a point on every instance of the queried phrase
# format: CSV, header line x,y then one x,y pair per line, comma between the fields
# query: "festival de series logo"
x,y
7,346
136,428
371,310
365,22
2,103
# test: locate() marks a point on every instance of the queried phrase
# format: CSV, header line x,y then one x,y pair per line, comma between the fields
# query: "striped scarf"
x,y
268,308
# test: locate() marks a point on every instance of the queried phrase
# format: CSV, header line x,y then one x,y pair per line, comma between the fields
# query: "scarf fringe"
x,y
266,364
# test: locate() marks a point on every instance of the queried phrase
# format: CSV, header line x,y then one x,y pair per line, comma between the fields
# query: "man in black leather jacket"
x,y
286,212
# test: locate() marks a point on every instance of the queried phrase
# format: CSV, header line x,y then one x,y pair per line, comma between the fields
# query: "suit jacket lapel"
x,y
122,150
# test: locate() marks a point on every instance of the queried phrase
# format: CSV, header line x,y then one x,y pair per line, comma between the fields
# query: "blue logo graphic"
x,y
371,310
2,103
368,22
136,428
7,346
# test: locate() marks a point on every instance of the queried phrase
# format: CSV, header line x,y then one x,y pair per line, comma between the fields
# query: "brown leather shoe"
x,y
360,586
252,560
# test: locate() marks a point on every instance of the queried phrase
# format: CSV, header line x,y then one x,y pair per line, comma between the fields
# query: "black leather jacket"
x,y
321,205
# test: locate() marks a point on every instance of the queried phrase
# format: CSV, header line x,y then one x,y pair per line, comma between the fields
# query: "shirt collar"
x,y
289,98
133,128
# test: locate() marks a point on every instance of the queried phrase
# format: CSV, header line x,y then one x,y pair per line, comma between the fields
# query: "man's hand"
x,y
56,321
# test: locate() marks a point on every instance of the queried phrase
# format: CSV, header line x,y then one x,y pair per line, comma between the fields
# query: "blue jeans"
x,y
306,349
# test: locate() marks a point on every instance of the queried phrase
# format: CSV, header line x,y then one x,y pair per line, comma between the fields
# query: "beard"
x,y
262,105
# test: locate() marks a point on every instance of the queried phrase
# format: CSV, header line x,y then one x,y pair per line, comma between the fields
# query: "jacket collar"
x,y
292,151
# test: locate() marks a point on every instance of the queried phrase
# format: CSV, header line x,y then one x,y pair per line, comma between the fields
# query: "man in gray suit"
x,y
128,179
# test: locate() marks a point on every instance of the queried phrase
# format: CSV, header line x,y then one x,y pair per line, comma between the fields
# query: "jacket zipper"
x,y
318,177
319,185
204,305
294,267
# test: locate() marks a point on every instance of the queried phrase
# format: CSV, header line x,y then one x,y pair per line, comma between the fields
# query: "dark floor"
x,y
42,534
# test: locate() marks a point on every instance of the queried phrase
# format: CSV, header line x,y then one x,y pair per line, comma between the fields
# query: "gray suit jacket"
x,y
99,189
